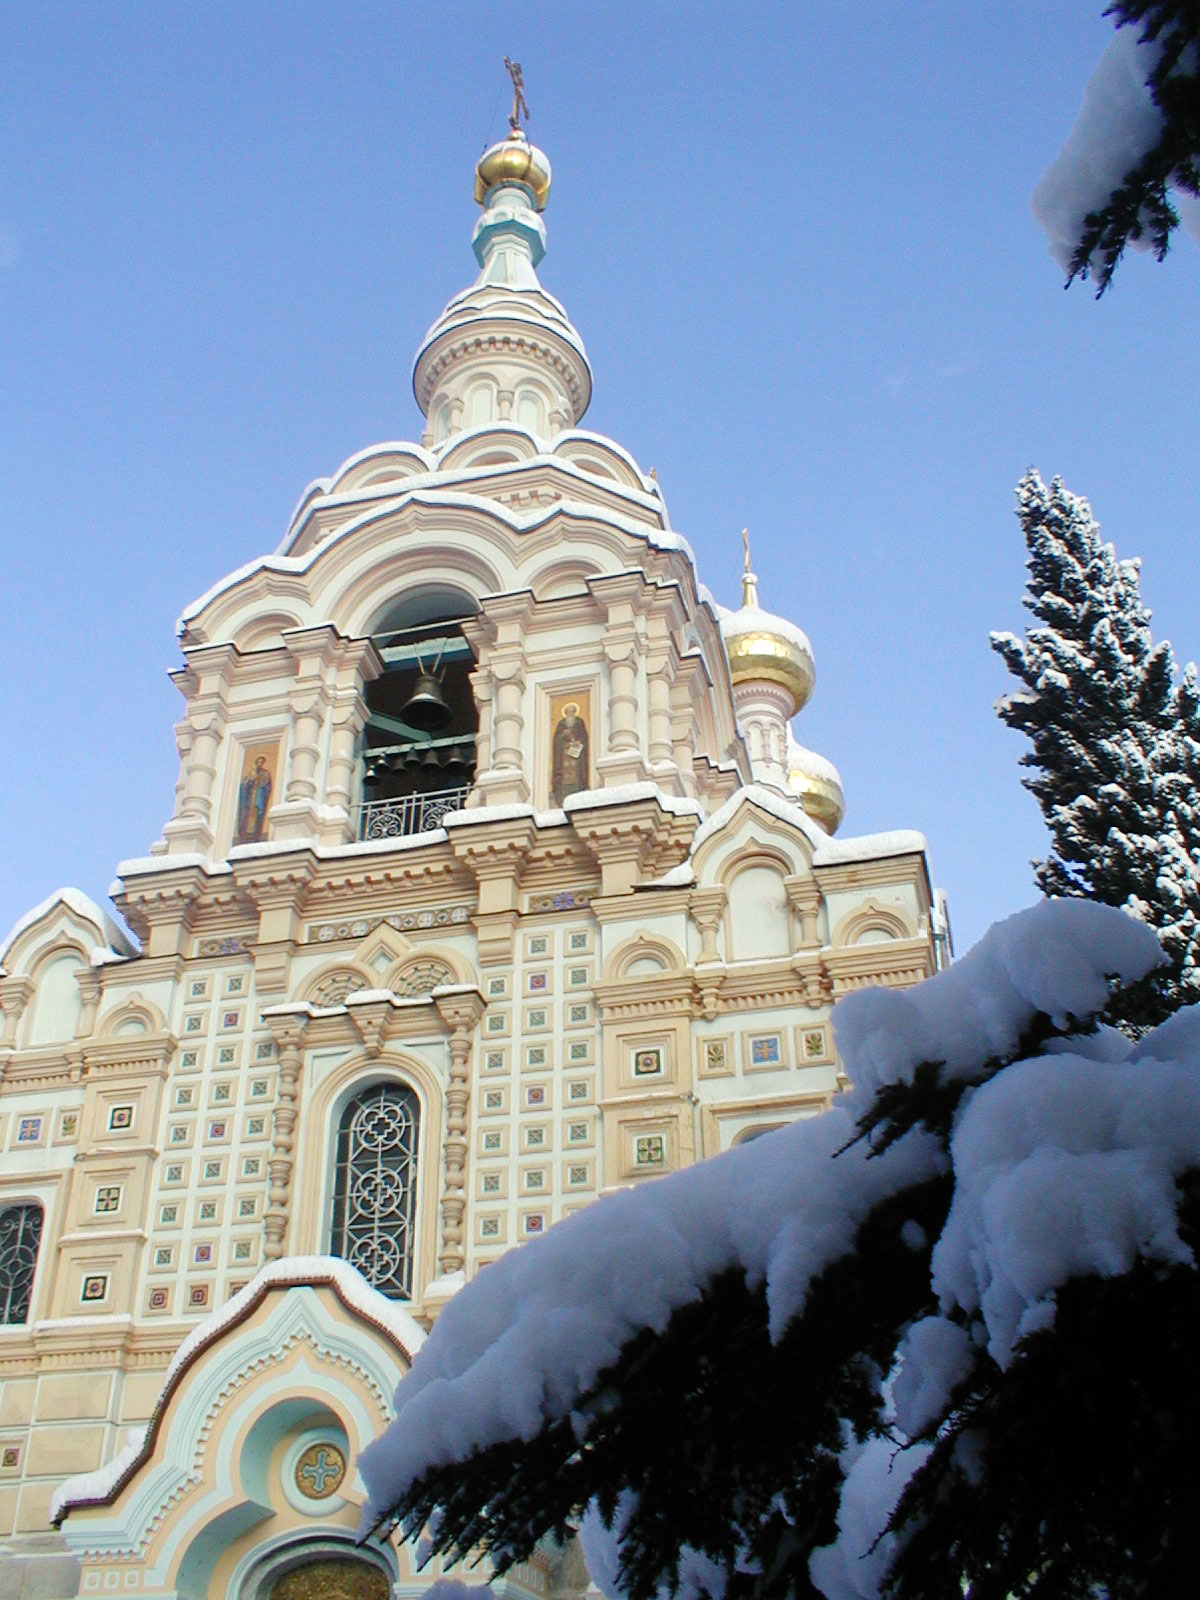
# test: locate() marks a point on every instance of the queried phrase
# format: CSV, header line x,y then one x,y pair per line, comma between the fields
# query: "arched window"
x,y
419,742
20,1234
374,1196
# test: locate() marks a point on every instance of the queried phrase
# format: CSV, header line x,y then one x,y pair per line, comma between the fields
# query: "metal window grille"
x,y
20,1234
374,1196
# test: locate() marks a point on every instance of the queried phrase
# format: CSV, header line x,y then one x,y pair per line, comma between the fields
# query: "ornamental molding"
x,y
418,921
451,347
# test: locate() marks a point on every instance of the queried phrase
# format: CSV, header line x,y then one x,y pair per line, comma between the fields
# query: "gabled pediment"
x,y
255,1435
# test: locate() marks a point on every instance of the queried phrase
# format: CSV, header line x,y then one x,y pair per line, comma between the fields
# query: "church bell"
x,y
426,707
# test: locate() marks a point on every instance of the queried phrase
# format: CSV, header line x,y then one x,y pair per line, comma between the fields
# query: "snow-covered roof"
x,y
84,907
523,522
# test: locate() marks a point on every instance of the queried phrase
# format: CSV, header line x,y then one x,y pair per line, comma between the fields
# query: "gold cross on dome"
x,y
520,104
746,542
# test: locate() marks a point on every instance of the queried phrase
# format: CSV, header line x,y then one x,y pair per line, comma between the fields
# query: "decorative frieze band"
x,y
402,921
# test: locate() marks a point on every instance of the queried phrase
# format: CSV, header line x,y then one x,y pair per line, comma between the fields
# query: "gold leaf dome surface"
x,y
817,784
514,160
763,648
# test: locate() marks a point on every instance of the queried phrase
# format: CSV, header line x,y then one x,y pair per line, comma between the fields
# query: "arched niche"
x,y
488,447
265,632
563,579
758,917
644,956
872,924
599,458
418,757
135,1018
54,1013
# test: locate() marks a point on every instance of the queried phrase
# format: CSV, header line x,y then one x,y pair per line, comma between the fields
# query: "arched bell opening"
x,y
418,758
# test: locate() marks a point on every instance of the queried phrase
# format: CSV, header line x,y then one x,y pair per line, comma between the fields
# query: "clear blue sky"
x,y
796,239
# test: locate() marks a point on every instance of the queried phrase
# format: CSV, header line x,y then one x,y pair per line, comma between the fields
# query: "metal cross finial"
x,y
520,104
746,542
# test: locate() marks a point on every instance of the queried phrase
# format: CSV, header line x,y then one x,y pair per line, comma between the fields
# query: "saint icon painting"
x,y
254,792
570,765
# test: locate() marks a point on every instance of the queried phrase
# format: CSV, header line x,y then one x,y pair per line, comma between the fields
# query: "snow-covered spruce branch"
x,y
724,1365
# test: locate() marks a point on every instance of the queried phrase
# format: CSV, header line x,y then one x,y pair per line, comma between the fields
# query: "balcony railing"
x,y
410,813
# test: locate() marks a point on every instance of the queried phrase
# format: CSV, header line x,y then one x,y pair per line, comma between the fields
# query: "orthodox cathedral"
x,y
495,880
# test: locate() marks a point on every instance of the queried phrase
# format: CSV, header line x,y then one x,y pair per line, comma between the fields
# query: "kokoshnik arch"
x,y
495,879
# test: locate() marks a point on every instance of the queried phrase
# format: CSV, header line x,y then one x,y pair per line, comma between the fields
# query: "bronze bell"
x,y
426,707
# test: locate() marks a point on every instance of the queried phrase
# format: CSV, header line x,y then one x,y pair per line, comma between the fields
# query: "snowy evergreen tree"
x,y
1115,737
935,1343
1129,151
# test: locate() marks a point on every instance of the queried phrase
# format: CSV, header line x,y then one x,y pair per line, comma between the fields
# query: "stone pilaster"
x,y
460,1012
288,1029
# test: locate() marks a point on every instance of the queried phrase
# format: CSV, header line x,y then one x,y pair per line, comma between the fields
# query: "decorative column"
x,y
707,906
205,683
314,650
359,663
460,1011
624,598
660,671
89,993
288,1029
15,994
508,675
805,900
500,639
481,688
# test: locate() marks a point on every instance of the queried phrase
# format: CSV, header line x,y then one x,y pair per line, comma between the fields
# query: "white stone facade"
x,y
614,953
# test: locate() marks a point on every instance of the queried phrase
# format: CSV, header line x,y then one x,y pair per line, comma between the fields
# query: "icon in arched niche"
x,y
570,745
255,788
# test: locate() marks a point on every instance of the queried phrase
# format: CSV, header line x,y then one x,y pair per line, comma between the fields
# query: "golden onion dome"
x,y
817,784
763,648
513,160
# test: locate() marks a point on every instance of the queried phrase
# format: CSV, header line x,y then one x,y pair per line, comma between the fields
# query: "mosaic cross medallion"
x,y
320,1470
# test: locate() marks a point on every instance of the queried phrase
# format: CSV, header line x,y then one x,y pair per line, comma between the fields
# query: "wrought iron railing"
x,y
409,813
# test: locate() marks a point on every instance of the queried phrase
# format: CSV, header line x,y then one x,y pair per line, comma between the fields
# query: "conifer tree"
x,y
718,1446
1115,738
1139,206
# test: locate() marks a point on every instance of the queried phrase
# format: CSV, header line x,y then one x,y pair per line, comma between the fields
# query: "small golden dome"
x,y
765,655
817,784
513,160
763,648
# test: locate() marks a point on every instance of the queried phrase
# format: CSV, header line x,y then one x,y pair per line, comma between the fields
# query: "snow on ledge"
x,y
99,1484
871,847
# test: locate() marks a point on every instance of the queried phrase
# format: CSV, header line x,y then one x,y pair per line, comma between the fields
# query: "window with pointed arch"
x,y
374,1194
20,1235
